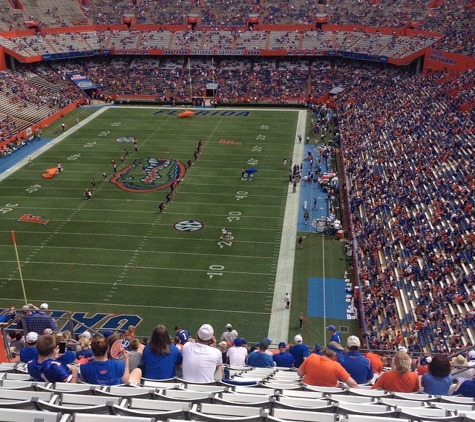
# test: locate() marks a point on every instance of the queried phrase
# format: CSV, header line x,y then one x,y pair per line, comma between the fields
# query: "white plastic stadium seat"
x,y
90,417
301,416
182,395
365,409
364,418
318,405
240,399
217,412
427,414
160,409
79,403
20,415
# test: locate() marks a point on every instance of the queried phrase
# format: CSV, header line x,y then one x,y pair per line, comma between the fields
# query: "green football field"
x,y
117,254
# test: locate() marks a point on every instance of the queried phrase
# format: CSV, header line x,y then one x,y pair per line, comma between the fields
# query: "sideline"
x,y
280,317
20,160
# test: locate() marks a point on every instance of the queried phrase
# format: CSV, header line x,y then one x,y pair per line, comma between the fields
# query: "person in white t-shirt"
x,y
230,334
201,359
237,354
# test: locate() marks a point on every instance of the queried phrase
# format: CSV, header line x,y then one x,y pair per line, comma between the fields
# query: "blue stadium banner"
x,y
81,81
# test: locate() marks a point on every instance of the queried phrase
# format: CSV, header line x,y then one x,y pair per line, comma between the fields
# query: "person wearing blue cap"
x,y
335,335
317,349
283,359
259,358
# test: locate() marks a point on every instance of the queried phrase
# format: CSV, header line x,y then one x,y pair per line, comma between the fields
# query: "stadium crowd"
x,y
110,358
412,216
450,18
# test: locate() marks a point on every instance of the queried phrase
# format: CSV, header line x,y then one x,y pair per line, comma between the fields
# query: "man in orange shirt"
x,y
375,361
324,370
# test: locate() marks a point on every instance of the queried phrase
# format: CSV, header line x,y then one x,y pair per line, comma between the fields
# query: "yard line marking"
x,y
151,286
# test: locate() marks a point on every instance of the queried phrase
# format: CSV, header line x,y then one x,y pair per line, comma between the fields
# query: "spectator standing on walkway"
x,y
287,301
334,334
230,334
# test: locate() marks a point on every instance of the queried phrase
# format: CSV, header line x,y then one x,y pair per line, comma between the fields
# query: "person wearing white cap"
x,y
230,334
299,351
201,359
29,352
356,364
471,358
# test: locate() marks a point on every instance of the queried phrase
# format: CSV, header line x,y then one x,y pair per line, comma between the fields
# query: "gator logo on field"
x,y
149,174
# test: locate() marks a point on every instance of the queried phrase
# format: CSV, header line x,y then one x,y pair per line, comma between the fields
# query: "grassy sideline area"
x,y
118,254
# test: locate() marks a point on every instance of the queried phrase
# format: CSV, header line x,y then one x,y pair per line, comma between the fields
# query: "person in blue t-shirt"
x,y
29,352
46,367
438,380
105,371
259,358
356,364
283,359
182,334
334,334
160,356
299,350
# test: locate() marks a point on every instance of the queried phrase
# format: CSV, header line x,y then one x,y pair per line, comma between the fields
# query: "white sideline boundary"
x,y
280,317
51,144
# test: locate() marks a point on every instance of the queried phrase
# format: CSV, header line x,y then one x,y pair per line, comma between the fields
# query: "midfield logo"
x,y
149,174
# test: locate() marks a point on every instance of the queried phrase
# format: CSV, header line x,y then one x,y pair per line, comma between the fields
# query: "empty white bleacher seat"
x,y
91,417
388,401
217,412
124,391
241,399
365,409
79,403
303,394
319,405
348,398
160,409
161,384
301,415
365,418
65,387
453,407
20,415
183,395
206,388
22,399
427,414
21,384
415,396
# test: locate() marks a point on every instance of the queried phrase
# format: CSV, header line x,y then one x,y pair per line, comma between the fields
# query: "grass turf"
x,y
117,254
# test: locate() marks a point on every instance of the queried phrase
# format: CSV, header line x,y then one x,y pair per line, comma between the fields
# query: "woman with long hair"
x,y
400,378
160,355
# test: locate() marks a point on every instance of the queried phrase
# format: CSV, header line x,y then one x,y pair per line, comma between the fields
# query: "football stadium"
x,y
246,210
